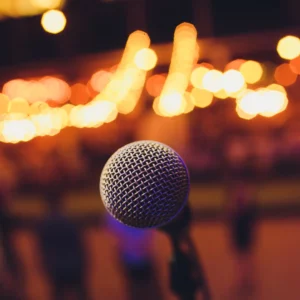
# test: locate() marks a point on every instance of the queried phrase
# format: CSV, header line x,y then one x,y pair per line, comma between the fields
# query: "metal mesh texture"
x,y
144,184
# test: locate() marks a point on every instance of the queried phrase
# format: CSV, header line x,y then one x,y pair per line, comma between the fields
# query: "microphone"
x,y
145,184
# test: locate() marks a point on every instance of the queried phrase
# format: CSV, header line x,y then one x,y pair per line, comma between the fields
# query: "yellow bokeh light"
x,y
272,102
172,104
155,107
54,21
277,87
46,4
104,111
250,102
18,105
233,81
289,47
4,102
197,76
201,98
221,94
212,81
252,71
189,103
145,59
244,115
14,131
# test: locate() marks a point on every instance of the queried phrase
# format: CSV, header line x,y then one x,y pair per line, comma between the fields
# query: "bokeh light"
x,y
198,75
145,59
212,81
172,104
54,21
189,103
155,84
252,71
233,81
284,75
272,102
100,79
289,47
79,94
277,87
46,4
249,102
295,65
221,94
201,98
4,102
18,106
244,115
57,89
234,65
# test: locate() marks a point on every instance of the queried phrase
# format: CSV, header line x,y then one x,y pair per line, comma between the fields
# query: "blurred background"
x,y
79,79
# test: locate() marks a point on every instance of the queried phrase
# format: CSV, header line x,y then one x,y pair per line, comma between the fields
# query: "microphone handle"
x,y
187,275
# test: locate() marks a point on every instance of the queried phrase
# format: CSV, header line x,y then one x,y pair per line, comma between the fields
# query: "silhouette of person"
x,y
242,220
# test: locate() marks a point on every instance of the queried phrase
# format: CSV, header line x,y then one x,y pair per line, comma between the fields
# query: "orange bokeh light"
x,y
155,84
284,75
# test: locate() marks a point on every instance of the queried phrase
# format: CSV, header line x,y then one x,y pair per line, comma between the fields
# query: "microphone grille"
x,y
144,184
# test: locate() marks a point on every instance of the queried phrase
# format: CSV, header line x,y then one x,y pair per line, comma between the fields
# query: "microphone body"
x,y
146,184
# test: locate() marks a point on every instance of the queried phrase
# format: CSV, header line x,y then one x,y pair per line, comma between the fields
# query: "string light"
x,y
27,106
289,47
54,21
145,59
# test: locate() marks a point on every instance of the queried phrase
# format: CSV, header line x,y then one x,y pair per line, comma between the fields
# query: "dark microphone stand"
x,y
186,272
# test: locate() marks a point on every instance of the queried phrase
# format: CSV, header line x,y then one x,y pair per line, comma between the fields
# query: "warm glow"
x,y
54,21
127,77
155,107
57,89
277,87
198,75
184,52
38,107
104,111
295,65
172,104
145,59
221,94
284,75
47,122
244,115
250,102
273,102
4,102
289,47
19,106
15,88
46,4
233,81
14,131
212,81
234,65
100,79
252,71
155,85
266,102
189,103
201,98
127,106
79,94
